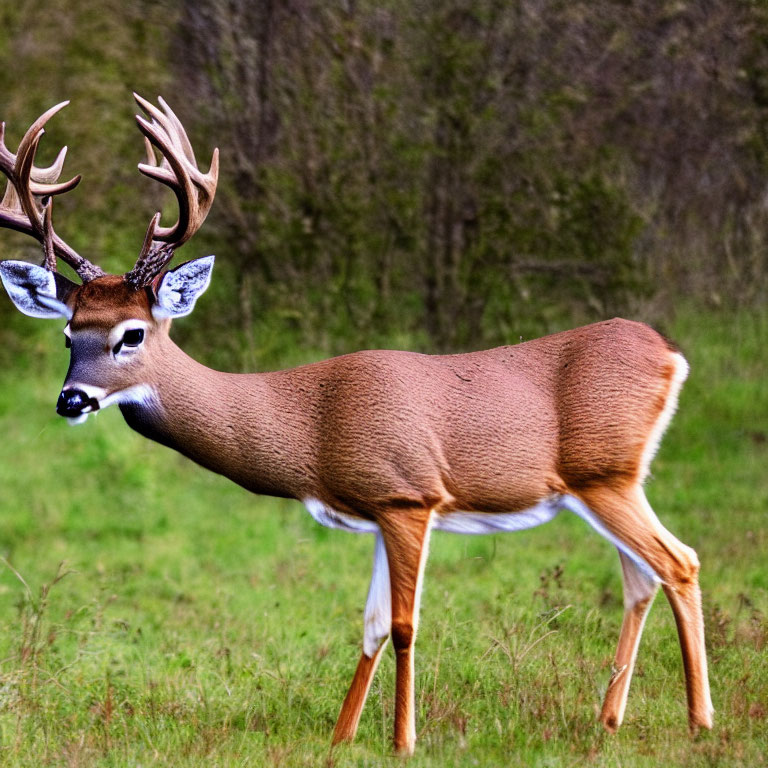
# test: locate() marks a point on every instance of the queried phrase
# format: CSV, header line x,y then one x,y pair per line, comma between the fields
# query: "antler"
x,y
26,205
178,170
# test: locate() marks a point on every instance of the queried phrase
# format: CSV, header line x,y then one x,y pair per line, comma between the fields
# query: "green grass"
x,y
154,614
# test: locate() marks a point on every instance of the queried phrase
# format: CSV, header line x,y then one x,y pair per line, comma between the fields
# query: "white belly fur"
x,y
453,522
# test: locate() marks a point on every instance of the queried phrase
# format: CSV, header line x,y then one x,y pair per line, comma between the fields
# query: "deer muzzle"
x,y
74,402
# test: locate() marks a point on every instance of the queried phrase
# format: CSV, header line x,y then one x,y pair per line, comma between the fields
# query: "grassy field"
x,y
154,614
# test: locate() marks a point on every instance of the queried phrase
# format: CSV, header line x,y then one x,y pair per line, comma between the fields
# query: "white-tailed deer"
x,y
390,443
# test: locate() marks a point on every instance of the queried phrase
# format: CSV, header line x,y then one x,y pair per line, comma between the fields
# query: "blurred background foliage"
x,y
436,174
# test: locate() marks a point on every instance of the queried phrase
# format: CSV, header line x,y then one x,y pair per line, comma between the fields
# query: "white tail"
x,y
395,443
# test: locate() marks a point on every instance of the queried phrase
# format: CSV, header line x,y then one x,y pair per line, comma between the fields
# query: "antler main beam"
x,y
178,170
28,196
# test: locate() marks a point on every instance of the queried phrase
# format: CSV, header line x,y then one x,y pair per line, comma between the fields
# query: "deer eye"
x,y
131,338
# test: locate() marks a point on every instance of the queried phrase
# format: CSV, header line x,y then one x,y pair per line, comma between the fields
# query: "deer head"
x,y
116,324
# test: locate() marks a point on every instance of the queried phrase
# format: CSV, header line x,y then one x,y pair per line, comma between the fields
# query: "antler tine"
x,y
179,132
151,159
50,252
170,124
25,158
177,170
173,174
42,180
38,180
53,171
26,205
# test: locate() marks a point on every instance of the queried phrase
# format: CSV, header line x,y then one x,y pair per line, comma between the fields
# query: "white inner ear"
x,y
32,289
59,308
181,288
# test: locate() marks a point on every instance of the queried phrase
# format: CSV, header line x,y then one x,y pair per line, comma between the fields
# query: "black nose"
x,y
72,402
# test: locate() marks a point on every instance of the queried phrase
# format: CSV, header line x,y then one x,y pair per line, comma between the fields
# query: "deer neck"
x,y
237,425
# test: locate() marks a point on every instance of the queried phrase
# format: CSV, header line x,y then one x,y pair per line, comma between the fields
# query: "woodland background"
x,y
439,174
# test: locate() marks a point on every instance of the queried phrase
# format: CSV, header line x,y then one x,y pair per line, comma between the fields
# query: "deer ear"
x,y
35,291
181,287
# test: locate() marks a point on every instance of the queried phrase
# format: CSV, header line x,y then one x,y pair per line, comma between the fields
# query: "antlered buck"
x,y
391,443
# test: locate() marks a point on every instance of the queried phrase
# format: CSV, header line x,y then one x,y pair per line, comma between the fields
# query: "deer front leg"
x,y
378,622
351,709
406,538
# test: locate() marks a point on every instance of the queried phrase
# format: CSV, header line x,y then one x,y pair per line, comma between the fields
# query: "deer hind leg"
x,y
639,591
626,519
378,622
